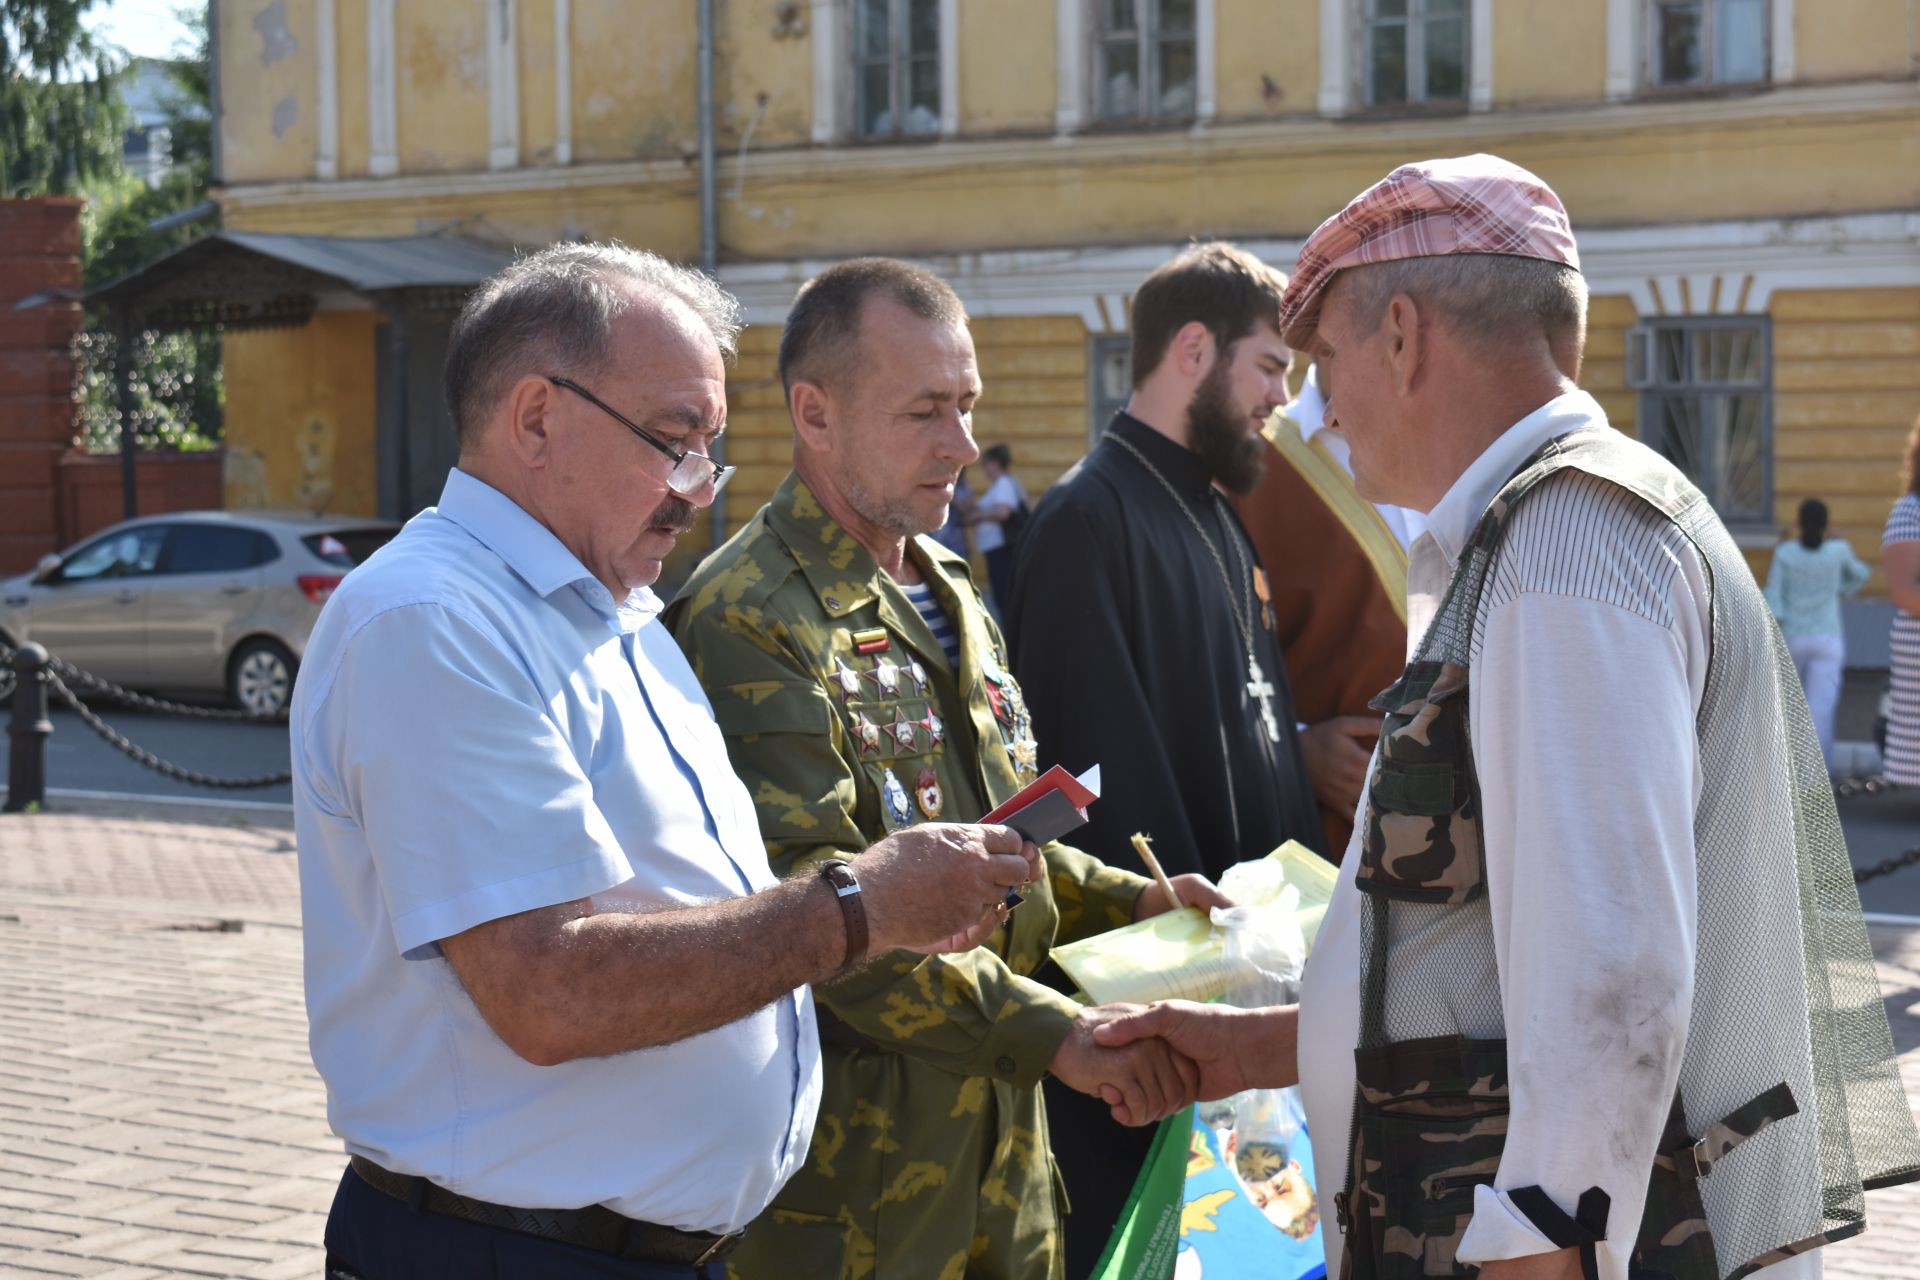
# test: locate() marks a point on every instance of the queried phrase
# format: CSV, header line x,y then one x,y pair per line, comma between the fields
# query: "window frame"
x,y
1416,21
1709,82
160,532
1148,67
1652,390
900,59
262,548
1101,408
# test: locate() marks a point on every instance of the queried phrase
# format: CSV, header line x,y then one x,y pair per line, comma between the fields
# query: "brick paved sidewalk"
x,y
158,1112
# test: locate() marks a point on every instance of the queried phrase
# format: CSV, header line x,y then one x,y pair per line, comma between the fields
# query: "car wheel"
x,y
260,677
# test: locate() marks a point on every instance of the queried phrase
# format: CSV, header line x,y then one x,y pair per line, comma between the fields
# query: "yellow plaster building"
x,y
1744,176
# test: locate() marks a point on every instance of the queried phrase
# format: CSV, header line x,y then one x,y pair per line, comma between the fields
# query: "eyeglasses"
x,y
691,471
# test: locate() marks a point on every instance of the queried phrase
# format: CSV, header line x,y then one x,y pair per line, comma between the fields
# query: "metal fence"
x,y
31,678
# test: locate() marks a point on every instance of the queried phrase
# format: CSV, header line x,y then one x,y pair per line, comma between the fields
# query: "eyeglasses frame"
x,y
721,471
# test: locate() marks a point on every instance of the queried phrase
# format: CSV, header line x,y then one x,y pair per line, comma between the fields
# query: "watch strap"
x,y
853,908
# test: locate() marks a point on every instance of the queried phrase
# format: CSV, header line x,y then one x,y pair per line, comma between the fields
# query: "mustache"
x,y
674,514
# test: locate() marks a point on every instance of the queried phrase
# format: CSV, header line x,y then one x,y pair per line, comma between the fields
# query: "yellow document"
x,y
1180,955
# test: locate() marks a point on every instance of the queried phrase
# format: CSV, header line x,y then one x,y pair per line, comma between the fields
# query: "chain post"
x,y
28,730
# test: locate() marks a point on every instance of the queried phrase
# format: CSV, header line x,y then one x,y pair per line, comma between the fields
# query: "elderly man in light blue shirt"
x,y
523,853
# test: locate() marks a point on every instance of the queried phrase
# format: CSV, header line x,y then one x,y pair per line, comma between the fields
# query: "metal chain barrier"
x,y
1862,787
147,758
1872,787
106,688
1887,866
95,685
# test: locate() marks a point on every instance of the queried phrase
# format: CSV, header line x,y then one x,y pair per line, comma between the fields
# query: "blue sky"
x,y
144,28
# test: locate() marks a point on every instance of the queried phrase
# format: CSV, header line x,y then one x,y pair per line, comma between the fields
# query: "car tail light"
x,y
318,586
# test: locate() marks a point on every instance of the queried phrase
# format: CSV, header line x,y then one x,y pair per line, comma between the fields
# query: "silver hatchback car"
x,y
192,601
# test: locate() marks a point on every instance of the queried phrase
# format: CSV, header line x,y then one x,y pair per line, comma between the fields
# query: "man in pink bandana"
x,y
1593,996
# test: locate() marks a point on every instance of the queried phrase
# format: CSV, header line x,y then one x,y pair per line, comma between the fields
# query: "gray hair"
x,y
552,312
1493,299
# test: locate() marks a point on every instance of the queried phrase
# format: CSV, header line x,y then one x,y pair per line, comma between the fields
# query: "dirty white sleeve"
x,y
1583,731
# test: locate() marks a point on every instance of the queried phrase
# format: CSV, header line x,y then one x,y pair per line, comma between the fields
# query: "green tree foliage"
x,y
179,397
60,118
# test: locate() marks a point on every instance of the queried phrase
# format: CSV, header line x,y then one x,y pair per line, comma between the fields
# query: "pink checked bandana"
x,y
1468,204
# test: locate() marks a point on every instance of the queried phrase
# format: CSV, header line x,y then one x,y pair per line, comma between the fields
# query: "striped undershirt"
x,y
937,621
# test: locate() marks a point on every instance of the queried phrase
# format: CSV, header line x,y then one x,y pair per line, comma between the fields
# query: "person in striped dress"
x,y
1900,555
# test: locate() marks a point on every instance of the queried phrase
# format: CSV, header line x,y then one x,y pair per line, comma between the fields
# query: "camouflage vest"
x,y
1780,1120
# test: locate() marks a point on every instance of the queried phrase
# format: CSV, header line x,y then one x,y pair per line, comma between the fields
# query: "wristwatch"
x,y
836,872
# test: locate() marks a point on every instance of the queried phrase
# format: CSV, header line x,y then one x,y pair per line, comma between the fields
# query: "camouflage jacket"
x,y
845,720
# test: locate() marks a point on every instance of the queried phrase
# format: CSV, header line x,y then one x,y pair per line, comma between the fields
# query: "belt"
x,y
836,1030
594,1227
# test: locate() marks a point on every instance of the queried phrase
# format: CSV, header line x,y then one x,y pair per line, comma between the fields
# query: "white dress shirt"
x,y
1588,673
480,730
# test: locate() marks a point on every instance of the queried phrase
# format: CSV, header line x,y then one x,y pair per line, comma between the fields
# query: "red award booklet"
x,y
1050,806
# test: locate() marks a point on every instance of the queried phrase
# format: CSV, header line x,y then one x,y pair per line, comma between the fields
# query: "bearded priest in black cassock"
x,y
1141,635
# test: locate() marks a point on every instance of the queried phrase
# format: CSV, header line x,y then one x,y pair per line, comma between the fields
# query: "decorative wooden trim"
x,y
1336,57
563,81
326,149
949,68
1070,65
383,158
1480,56
503,84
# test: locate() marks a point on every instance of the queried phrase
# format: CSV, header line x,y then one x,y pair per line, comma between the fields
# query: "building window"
x,y
1707,42
896,75
1706,403
1145,55
1416,51
1110,364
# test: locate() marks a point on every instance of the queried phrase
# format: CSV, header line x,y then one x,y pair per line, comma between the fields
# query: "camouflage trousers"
x,y
914,1173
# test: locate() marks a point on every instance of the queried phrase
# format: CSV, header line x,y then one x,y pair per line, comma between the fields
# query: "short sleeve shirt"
x,y
479,730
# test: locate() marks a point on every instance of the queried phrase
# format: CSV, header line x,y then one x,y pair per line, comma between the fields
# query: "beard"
x,y
1218,435
896,517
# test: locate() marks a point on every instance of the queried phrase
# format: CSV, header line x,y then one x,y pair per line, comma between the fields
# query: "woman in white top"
x,y
1804,587
1900,556
1003,501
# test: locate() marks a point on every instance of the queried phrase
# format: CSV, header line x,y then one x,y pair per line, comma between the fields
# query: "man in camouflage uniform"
x,y
862,687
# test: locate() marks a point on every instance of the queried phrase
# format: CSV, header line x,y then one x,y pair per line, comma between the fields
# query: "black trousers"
x,y
1099,1161
371,1236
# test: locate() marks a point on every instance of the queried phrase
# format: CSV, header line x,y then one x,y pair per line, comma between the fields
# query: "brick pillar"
x,y
39,250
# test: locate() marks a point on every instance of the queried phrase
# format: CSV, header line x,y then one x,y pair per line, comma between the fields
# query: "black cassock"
x,y
1126,646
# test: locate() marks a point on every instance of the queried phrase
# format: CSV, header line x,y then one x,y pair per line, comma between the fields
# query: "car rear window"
x,y
209,548
348,547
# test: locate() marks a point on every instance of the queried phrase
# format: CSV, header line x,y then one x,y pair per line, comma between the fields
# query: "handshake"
x,y
1147,1062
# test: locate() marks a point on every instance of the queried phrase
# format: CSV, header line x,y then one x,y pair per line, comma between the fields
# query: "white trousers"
x,y
1820,660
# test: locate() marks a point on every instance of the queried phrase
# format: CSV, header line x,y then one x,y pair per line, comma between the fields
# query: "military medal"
x,y
871,641
894,796
886,674
918,672
927,792
846,677
866,733
902,729
935,730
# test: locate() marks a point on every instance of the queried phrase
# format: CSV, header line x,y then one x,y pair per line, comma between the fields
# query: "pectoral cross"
x,y
1260,687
